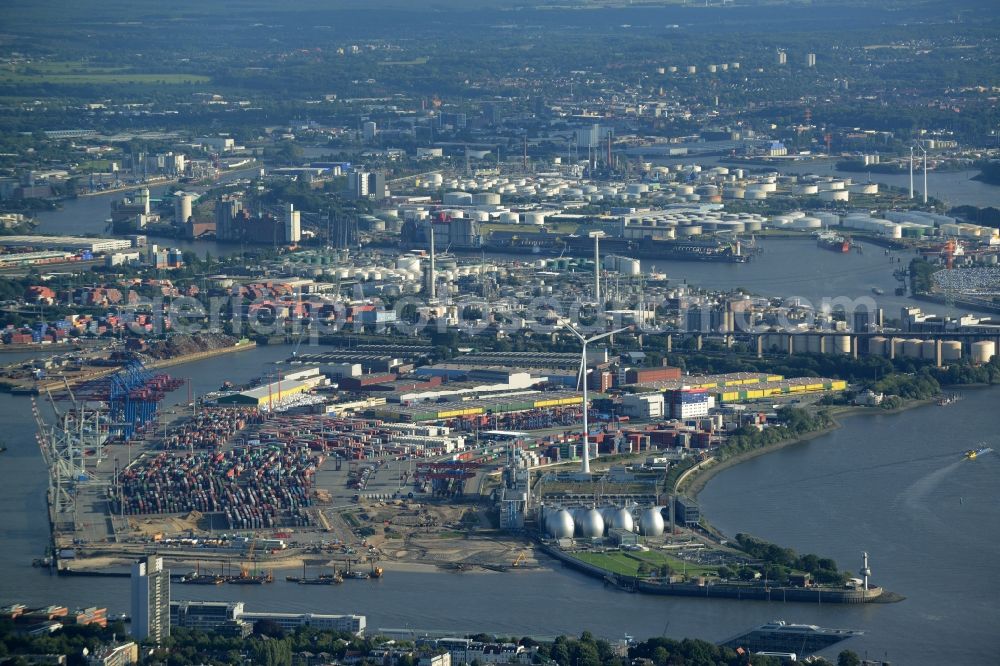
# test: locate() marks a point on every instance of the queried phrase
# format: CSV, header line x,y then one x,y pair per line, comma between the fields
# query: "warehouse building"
x,y
66,243
644,406
265,395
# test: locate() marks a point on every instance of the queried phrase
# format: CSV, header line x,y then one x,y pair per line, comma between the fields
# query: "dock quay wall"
x,y
719,591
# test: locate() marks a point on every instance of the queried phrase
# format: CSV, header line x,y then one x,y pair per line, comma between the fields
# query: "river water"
x,y
896,485
899,487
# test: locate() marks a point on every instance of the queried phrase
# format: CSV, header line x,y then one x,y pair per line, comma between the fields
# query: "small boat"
x,y
359,575
877,291
972,454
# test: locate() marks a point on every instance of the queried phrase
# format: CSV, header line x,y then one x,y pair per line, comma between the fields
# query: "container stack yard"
x,y
253,487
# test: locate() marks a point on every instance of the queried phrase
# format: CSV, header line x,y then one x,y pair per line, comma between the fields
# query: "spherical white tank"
x,y
560,525
651,522
622,520
590,525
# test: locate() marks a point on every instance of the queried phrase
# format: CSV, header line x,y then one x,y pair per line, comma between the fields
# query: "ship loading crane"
x,y
447,477
133,395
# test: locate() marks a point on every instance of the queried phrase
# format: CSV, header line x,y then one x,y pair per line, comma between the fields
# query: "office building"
x,y
150,600
293,225
367,185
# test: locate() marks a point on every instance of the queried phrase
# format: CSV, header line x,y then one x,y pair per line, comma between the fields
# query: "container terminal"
x,y
308,468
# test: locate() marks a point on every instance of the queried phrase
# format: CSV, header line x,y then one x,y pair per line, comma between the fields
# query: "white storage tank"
x,y
912,348
983,351
807,188
457,199
622,520
536,218
928,350
865,188
835,195
629,266
876,345
651,522
486,199
560,525
951,350
806,223
838,344
590,524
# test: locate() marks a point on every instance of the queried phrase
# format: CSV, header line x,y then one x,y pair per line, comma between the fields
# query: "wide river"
x,y
894,485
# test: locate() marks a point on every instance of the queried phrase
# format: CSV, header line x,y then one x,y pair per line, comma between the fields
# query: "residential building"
x,y
150,599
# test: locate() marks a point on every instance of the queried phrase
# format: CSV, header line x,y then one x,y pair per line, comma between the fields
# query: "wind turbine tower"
x,y
585,466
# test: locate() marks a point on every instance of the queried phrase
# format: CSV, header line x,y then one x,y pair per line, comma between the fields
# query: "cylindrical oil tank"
x,y
838,344
560,525
800,344
486,199
591,524
928,350
457,199
629,266
912,347
983,351
813,343
651,522
835,195
622,520
807,223
734,192
876,346
951,350
807,188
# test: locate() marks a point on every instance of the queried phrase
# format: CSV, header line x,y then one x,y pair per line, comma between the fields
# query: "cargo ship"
x,y
546,245
834,243
195,578
779,636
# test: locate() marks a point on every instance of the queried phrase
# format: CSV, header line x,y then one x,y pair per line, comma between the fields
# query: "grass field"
x,y
404,63
105,78
627,563
77,73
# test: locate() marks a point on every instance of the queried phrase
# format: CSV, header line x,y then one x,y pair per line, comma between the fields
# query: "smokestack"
x,y
431,274
597,269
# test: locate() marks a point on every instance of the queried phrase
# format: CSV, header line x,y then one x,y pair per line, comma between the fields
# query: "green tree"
x,y
848,658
